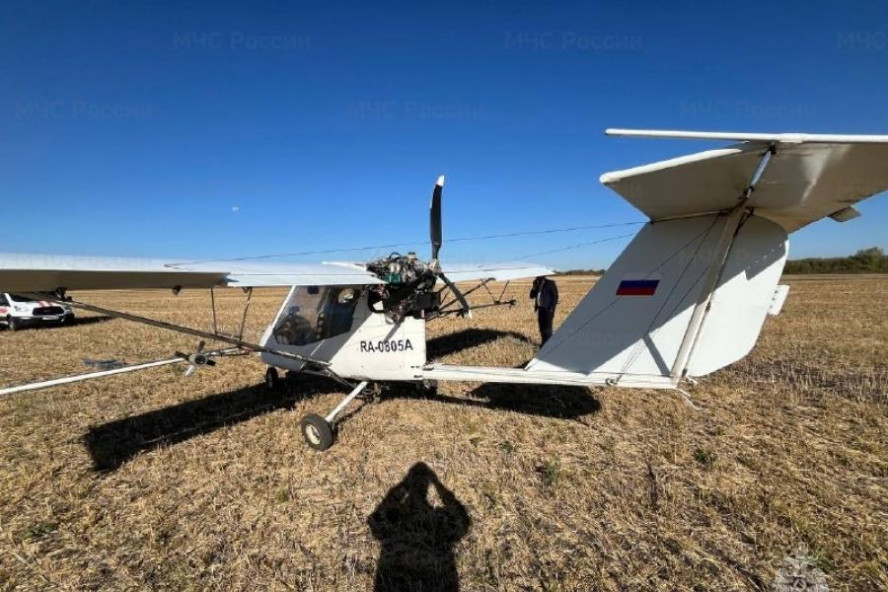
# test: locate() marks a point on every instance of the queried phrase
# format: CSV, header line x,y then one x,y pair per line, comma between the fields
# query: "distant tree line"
x,y
582,272
872,260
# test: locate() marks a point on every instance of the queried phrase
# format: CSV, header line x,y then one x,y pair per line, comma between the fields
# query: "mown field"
x,y
159,482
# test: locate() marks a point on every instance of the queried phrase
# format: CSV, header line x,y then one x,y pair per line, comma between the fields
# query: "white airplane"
x,y
688,295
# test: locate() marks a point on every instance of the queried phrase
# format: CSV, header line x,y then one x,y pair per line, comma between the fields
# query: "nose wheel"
x,y
318,431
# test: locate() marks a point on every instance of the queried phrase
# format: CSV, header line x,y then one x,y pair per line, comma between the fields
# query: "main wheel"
x,y
13,323
272,379
317,432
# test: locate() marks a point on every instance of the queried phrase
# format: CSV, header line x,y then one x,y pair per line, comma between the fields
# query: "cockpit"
x,y
313,313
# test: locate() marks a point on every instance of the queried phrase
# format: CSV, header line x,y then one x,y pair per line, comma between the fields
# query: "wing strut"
x,y
464,305
44,384
736,217
216,336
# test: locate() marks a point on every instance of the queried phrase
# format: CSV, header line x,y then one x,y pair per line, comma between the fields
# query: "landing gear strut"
x,y
272,379
318,431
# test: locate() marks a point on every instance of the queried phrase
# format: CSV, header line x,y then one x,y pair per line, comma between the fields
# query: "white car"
x,y
17,312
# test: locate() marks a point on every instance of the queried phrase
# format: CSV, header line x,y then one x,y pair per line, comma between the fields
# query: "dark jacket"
x,y
545,294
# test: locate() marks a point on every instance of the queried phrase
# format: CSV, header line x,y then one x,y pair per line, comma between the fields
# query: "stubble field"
x,y
154,481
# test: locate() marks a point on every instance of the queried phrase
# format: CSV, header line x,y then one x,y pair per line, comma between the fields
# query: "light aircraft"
x,y
688,296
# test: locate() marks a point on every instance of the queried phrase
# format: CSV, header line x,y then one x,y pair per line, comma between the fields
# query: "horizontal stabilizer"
x,y
808,177
787,138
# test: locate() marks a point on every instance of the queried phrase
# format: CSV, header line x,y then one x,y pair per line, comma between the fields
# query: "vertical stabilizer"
x,y
632,324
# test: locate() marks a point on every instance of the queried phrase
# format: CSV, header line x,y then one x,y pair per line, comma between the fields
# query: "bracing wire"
x,y
424,242
577,246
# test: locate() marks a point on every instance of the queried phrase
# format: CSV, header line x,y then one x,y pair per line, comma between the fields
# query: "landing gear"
x,y
318,431
272,379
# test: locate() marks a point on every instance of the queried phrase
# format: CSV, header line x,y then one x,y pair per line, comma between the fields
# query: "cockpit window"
x,y
313,313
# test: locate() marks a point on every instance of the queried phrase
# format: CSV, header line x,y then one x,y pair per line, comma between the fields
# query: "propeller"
x,y
435,231
436,237
198,358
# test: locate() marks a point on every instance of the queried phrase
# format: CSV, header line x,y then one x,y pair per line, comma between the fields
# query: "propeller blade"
x,y
435,231
198,358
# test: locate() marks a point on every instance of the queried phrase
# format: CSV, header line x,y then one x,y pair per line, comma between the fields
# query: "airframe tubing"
x,y
33,386
713,276
709,286
447,372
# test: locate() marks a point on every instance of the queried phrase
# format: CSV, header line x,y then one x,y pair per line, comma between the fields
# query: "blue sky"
x,y
220,130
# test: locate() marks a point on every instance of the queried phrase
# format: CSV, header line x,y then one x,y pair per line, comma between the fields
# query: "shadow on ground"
x,y
416,538
562,402
445,345
559,402
82,321
112,444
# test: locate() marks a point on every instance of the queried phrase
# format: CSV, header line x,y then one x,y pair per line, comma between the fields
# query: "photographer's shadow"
x,y
418,538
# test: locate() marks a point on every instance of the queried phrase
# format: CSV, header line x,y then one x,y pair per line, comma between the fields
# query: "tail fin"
x,y
637,323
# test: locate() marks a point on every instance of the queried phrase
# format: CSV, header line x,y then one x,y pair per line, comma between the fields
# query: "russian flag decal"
x,y
637,287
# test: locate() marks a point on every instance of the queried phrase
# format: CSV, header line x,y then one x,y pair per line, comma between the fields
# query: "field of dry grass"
x,y
158,482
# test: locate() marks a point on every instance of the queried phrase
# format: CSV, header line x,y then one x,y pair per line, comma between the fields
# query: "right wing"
x,y
499,272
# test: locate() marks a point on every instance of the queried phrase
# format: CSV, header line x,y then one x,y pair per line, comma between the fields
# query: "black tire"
x,y
272,379
317,432
13,324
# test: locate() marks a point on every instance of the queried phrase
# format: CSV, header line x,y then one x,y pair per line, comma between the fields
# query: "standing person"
x,y
545,298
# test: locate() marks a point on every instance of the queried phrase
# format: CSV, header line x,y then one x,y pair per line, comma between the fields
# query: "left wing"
x,y
48,273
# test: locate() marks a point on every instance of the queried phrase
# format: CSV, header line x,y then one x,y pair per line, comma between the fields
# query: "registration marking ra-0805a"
x,y
386,346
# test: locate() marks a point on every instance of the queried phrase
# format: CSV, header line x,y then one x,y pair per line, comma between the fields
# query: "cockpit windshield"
x,y
313,313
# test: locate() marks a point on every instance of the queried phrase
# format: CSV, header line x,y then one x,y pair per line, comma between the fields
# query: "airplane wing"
x,y
467,272
47,273
296,274
499,272
809,177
